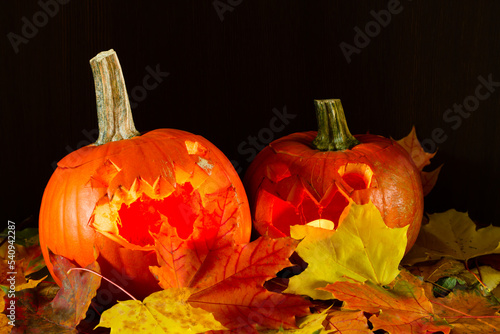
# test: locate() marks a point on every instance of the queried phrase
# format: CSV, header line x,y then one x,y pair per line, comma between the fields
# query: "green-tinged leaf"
x,y
362,248
444,286
165,311
453,234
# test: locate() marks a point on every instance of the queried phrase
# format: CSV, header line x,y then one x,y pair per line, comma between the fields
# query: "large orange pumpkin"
x,y
107,200
311,177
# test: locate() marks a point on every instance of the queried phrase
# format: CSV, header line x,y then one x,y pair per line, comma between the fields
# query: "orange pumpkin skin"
x,y
290,182
108,200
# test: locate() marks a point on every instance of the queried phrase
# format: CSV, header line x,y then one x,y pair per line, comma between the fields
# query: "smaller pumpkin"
x,y
107,201
310,177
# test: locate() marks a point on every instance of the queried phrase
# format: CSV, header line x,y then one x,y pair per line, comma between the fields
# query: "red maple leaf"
x,y
229,282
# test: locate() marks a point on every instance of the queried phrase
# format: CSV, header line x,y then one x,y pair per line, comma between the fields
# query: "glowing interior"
x,y
292,201
322,223
152,213
195,200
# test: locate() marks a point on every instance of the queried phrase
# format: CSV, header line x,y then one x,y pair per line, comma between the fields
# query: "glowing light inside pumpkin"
x,y
293,201
146,215
322,223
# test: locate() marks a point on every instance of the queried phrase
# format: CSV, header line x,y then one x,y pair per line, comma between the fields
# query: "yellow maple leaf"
x,y
453,234
490,277
165,311
30,283
362,248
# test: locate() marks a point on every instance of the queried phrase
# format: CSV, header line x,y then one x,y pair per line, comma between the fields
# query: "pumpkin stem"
x,y
333,133
114,114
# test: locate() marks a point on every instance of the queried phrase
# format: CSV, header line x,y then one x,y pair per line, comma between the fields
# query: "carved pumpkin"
x,y
107,200
310,177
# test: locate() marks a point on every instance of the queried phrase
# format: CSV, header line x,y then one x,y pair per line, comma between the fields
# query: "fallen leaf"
x,y
26,259
181,258
489,277
400,309
312,323
412,145
443,268
468,312
453,234
30,283
164,311
429,179
421,159
362,248
5,322
347,322
229,281
230,285
61,315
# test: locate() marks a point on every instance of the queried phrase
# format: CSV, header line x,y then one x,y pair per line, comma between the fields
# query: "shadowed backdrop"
x,y
242,73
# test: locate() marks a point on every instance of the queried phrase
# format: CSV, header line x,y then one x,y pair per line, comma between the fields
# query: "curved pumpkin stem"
x,y
114,114
333,133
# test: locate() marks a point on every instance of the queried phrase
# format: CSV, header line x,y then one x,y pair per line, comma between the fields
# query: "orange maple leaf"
x,y
346,322
400,309
468,312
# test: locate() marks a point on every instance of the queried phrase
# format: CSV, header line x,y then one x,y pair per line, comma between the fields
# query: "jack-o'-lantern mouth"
x,y
190,204
133,222
293,200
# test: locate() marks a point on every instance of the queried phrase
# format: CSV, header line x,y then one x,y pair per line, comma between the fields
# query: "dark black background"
x,y
228,71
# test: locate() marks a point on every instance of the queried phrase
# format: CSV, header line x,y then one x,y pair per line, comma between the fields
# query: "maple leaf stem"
x,y
110,281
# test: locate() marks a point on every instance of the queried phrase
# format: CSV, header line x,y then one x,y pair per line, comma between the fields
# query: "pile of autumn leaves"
x,y
354,280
